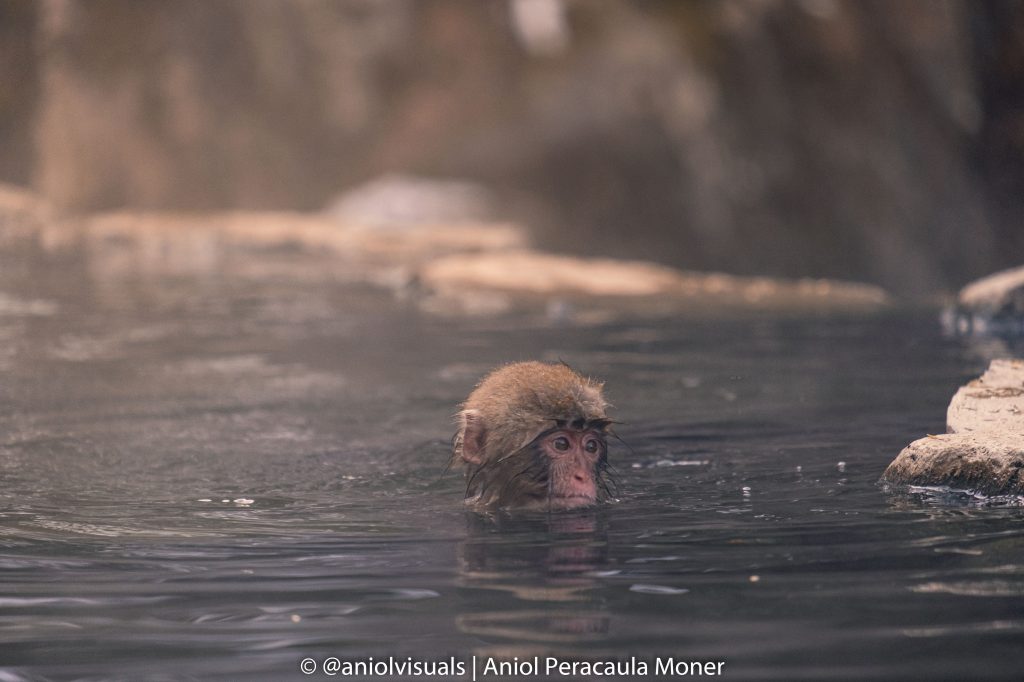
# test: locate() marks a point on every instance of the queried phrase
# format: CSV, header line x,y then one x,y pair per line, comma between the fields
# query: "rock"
x,y
537,280
157,243
984,449
532,272
983,463
992,403
991,305
397,201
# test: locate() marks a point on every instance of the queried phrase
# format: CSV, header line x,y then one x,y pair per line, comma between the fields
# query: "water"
x,y
215,478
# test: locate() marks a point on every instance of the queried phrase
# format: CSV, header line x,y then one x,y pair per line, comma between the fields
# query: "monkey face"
x,y
562,468
534,436
575,458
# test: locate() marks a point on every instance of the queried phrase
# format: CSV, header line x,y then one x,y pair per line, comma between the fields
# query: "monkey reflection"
x,y
534,436
535,577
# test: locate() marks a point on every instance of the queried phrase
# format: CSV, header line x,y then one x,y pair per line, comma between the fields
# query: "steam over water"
x,y
215,479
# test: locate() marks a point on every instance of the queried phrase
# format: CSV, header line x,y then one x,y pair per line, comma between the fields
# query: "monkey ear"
x,y
474,437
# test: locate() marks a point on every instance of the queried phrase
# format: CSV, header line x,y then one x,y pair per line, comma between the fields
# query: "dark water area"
x,y
214,479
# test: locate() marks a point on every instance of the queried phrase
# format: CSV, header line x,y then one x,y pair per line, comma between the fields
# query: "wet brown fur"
x,y
503,418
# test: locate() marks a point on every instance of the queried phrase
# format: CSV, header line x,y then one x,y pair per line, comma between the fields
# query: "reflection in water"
x,y
541,568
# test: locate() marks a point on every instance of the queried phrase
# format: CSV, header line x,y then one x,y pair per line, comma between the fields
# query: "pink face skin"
x,y
573,457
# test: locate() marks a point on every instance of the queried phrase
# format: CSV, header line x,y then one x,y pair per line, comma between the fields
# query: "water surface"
x,y
214,479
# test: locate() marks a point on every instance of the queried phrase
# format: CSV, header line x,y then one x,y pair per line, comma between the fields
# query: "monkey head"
x,y
534,435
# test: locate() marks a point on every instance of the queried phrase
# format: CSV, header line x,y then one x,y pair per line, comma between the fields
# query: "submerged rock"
x,y
991,305
984,449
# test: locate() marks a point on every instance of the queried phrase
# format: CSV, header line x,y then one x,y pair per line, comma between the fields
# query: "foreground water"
x,y
216,480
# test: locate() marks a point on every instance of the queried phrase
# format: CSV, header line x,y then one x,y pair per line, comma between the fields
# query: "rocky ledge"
x,y
443,263
525,279
984,449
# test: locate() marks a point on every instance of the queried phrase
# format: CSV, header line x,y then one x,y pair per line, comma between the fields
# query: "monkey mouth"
x,y
571,501
539,503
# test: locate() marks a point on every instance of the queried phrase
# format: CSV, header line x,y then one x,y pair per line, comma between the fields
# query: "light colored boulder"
x,y
992,403
984,449
986,463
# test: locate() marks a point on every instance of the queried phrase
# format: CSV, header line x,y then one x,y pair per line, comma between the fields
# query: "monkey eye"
x,y
561,443
592,446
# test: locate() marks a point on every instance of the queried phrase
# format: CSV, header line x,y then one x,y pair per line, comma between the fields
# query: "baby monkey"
x,y
534,436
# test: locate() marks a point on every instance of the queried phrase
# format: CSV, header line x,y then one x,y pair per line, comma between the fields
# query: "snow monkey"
x,y
534,435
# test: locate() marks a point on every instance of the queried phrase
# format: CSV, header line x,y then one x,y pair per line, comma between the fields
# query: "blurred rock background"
x,y
878,140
